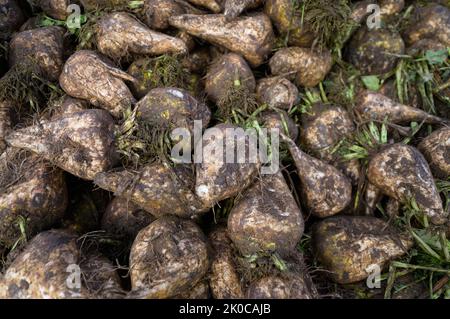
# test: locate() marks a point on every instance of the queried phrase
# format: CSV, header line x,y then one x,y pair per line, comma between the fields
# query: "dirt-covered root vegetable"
x,y
89,76
212,5
163,106
219,174
349,246
42,48
280,120
401,172
100,276
391,7
197,61
308,67
288,286
250,36
288,22
376,106
233,8
5,122
81,143
224,280
124,219
420,47
436,149
156,188
277,91
228,71
266,219
42,271
69,105
326,190
56,9
11,19
158,12
33,196
199,291
375,51
168,257
431,21
360,10
119,34
323,127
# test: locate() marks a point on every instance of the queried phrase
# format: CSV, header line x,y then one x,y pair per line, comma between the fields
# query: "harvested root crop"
x,y
306,66
377,107
57,9
375,51
168,257
158,12
42,47
89,76
430,21
82,143
223,279
119,34
326,190
41,271
124,219
233,8
280,121
288,22
401,172
290,286
266,219
323,127
156,188
218,178
436,149
277,92
33,196
11,19
250,36
348,246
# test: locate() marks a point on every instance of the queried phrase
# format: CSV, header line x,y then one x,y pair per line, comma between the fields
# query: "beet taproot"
x,y
376,106
168,258
250,36
156,188
277,92
82,143
11,19
43,270
223,279
124,219
326,190
347,246
401,172
306,66
119,33
436,149
218,178
375,52
89,76
33,196
266,219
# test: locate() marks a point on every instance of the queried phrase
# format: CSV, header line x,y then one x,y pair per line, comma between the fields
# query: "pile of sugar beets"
x,y
89,98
